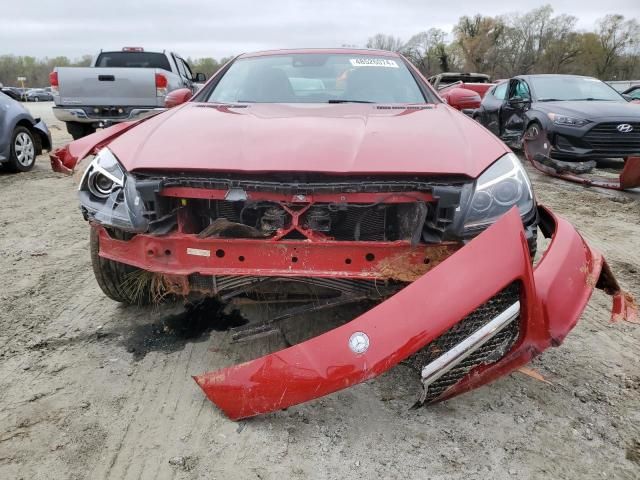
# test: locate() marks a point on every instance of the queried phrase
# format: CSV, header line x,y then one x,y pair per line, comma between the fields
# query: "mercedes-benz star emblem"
x,y
624,128
359,342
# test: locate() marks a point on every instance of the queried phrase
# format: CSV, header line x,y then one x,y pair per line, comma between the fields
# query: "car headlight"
x,y
567,121
503,185
109,195
103,175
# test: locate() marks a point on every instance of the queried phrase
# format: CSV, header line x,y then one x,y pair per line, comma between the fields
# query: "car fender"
x,y
532,115
41,129
65,159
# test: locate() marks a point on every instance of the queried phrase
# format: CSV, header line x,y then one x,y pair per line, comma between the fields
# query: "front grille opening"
x,y
606,139
490,352
310,289
346,222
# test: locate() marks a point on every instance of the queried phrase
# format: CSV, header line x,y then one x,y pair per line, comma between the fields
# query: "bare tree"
x,y
616,37
380,41
429,51
478,38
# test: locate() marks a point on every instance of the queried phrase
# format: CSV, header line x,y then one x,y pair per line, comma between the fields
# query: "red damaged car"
x,y
338,172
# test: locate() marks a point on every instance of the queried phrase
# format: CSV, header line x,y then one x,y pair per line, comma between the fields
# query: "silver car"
x,y
22,137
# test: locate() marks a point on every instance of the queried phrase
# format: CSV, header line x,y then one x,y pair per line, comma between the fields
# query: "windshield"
x,y
573,88
133,60
317,78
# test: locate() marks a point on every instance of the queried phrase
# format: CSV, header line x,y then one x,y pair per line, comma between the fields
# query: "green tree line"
x,y
36,71
502,46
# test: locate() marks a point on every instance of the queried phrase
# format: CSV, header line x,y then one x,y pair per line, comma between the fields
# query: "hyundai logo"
x,y
624,128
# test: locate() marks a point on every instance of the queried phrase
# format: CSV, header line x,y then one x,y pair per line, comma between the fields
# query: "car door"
x,y
490,109
512,113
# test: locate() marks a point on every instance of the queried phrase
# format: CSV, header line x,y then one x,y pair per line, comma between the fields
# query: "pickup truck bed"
x,y
119,86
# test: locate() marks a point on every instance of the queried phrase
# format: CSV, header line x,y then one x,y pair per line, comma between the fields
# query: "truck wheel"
x,y
120,282
78,130
22,156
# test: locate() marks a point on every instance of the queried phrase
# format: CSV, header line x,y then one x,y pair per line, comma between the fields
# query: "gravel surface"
x,y
92,389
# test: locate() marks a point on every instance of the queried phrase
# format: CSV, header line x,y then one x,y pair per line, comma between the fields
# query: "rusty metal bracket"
x,y
537,150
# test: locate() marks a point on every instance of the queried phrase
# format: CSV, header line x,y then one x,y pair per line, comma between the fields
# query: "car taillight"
x,y
53,80
161,85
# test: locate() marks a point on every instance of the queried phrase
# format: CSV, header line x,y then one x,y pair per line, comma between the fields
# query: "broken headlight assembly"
x,y
103,175
108,195
502,186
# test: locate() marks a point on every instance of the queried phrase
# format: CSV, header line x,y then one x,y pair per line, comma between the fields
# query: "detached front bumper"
x,y
551,299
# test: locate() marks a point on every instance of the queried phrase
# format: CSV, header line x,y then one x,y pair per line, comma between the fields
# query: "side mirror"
x,y
200,78
177,97
628,98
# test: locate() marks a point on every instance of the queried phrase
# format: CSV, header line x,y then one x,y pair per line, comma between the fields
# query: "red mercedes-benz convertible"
x,y
332,176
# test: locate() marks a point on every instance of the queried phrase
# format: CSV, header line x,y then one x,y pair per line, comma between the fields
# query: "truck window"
x,y
133,60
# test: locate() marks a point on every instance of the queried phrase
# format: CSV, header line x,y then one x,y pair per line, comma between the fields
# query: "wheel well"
x,y
26,124
38,138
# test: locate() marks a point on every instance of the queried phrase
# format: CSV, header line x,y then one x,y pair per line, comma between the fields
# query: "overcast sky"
x,y
206,28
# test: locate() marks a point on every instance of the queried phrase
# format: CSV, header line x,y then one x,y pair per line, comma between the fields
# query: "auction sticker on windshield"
x,y
373,62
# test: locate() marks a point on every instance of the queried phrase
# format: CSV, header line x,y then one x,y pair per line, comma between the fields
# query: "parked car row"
x,y
28,94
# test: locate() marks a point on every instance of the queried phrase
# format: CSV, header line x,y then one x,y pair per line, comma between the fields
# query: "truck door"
x,y
186,77
518,101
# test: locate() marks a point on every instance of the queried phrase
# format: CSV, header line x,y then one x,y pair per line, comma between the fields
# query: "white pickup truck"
x,y
119,86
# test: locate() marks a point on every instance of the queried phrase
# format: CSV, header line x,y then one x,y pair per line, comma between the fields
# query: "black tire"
x,y
78,130
22,156
115,278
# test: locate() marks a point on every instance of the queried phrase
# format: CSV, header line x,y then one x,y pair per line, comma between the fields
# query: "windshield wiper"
x,y
590,99
340,100
550,100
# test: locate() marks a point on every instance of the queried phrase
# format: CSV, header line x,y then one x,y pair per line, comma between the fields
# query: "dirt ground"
x,y
92,389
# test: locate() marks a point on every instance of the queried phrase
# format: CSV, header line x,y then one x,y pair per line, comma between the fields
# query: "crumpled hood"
x,y
336,139
592,110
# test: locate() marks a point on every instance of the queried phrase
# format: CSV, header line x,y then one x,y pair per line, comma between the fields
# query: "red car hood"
x,y
337,139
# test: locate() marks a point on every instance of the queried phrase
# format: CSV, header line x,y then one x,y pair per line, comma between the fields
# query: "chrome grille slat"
x,y
490,352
